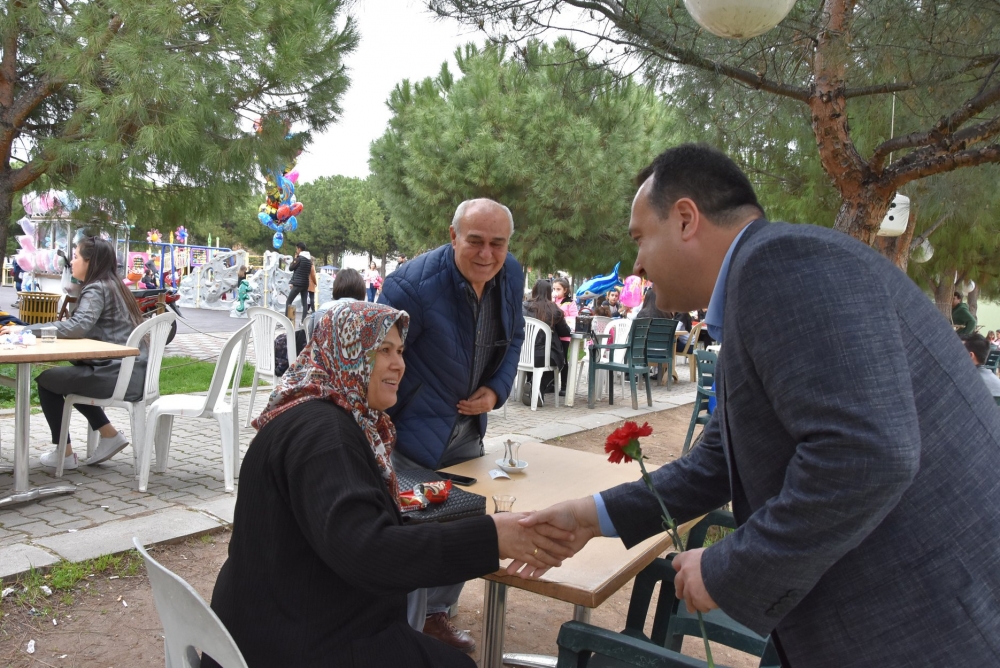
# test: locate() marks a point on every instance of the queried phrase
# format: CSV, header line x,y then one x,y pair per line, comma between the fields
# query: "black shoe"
x,y
562,392
526,395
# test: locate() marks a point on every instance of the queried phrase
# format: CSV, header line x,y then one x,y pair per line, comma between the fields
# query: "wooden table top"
x,y
65,350
557,474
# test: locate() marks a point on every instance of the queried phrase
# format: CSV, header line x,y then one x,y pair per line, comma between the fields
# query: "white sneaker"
x,y
51,459
108,448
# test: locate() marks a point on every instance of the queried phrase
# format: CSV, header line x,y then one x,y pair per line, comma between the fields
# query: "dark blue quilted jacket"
x,y
439,348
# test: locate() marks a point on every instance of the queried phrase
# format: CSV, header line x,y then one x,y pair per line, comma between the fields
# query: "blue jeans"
x,y
372,290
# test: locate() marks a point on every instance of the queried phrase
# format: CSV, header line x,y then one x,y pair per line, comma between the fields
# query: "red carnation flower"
x,y
623,443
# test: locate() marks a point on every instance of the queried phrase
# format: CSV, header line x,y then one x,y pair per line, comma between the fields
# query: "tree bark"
x,y
944,289
972,299
6,208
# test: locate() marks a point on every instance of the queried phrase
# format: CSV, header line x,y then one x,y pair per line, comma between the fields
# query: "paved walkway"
x,y
189,499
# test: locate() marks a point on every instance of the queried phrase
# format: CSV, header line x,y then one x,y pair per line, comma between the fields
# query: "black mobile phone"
x,y
463,480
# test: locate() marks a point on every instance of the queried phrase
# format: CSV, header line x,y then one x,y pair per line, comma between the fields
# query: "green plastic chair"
x,y
634,365
992,360
660,347
706,376
671,622
997,400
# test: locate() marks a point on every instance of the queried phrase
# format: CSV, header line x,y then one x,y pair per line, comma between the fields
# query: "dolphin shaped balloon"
x,y
599,285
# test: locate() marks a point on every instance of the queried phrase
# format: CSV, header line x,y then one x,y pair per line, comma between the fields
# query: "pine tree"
x,y
541,130
150,104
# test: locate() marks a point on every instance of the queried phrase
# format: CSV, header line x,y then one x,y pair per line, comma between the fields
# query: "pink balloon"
x,y
293,176
27,243
24,262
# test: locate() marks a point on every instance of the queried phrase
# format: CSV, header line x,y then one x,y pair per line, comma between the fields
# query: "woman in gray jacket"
x,y
106,311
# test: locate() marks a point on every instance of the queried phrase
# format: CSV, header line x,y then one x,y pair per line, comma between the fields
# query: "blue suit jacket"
x,y
439,348
861,458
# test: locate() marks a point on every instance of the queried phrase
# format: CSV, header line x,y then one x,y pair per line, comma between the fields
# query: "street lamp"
x,y
738,19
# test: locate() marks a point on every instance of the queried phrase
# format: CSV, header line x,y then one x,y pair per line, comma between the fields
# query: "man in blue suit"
x,y
858,451
462,349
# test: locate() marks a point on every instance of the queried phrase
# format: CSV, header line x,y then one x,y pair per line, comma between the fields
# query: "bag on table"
x,y
459,505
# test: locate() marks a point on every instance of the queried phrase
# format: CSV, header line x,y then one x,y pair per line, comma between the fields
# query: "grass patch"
x,y
178,375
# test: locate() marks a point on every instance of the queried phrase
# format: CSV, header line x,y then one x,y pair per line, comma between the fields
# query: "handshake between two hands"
x,y
538,541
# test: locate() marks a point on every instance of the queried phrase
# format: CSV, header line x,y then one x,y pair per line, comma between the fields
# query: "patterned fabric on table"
x,y
337,366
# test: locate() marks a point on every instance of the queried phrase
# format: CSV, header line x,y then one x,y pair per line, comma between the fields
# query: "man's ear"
x,y
690,218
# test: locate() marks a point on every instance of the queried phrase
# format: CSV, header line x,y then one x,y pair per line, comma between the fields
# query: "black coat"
x,y
300,268
320,564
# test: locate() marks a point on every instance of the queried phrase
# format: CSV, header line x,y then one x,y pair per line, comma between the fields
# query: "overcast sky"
x,y
400,40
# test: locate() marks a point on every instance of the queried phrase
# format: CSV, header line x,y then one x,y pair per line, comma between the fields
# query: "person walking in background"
x,y
18,276
313,284
299,283
466,330
373,280
841,437
541,307
962,317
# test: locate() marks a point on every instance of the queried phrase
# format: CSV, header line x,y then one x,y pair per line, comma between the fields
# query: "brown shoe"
x,y
439,626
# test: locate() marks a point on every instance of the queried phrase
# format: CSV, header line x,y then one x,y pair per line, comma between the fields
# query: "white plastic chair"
x,y
265,322
158,329
526,364
215,405
689,348
188,622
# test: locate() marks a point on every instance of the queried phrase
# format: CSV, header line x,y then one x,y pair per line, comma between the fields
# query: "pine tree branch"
x,y
930,230
901,86
950,144
939,133
947,162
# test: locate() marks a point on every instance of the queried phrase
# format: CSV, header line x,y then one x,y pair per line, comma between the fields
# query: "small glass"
x,y
48,334
510,449
503,503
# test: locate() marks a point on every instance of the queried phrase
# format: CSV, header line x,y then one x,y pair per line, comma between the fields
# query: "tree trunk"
x,y
6,208
861,214
944,289
972,299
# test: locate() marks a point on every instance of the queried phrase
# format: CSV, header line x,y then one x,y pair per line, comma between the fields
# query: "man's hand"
x,y
533,551
688,583
482,401
577,518
10,329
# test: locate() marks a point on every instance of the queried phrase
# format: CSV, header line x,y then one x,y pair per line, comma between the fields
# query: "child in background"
x,y
562,295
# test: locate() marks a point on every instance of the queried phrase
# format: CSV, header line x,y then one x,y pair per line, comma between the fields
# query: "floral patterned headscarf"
x,y
336,366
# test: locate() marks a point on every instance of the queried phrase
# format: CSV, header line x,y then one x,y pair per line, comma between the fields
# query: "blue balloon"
x,y
278,239
600,285
291,224
264,218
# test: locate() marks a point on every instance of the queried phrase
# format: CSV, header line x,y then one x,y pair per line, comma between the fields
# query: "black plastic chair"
x,y
706,377
635,364
671,622
660,347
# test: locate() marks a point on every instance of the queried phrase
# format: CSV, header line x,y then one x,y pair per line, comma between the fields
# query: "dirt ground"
x,y
109,620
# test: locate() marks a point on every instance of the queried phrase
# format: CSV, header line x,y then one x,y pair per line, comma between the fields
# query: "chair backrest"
x,y
660,342
706,360
619,329
992,360
265,323
158,329
532,327
600,323
637,339
692,341
188,622
229,368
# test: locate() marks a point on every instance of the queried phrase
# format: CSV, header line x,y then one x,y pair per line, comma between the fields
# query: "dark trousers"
x,y
302,292
372,292
52,407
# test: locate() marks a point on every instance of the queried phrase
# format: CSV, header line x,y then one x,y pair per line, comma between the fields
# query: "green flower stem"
x,y
671,527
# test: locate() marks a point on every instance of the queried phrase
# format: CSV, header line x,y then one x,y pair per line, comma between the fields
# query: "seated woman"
x,y
320,562
106,311
541,307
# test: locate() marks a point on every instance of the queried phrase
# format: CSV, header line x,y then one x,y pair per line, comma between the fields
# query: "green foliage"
x,y
343,214
149,104
544,131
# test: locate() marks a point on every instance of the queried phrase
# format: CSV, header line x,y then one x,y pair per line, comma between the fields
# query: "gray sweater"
x,y
99,315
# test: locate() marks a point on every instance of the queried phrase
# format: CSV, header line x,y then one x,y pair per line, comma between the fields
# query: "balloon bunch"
x,y
279,210
154,236
181,235
33,259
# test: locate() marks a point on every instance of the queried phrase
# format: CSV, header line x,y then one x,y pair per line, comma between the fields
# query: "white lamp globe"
x,y
738,19
923,252
894,223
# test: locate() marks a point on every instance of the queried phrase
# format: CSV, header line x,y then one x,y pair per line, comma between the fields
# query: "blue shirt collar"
x,y
716,305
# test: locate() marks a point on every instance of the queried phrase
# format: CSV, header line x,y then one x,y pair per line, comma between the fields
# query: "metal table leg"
x,y
23,492
494,612
574,353
580,614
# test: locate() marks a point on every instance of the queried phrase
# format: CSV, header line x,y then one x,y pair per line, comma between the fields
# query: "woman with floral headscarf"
x,y
320,563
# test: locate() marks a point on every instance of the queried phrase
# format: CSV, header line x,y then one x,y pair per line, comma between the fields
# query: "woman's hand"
x,y
11,329
533,552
